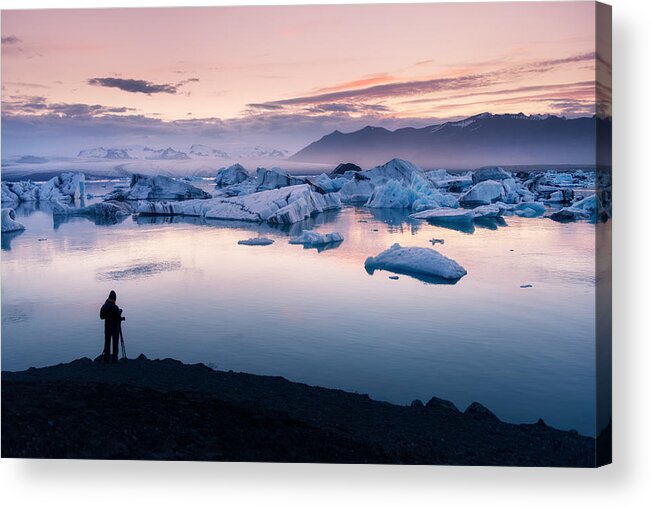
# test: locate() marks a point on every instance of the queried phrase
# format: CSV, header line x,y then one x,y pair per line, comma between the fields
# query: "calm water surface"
x,y
191,292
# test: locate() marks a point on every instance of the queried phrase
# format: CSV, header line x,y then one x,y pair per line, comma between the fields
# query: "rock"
x,y
231,175
435,402
314,239
9,223
342,169
526,286
415,261
484,192
157,188
256,241
490,173
417,404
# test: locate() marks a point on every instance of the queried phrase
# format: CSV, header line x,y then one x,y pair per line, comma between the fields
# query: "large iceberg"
x,y
157,187
416,261
231,175
419,195
9,223
395,169
328,184
285,205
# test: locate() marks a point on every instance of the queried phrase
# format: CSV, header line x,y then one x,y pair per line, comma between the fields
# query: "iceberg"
x,y
157,187
65,188
256,241
314,239
328,185
419,195
269,179
20,191
286,205
356,191
487,211
9,223
484,192
231,175
529,209
101,210
585,209
395,169
490,173
423,263
445,215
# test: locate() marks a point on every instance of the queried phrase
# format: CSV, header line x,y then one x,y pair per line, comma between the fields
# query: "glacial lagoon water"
x,y
191,292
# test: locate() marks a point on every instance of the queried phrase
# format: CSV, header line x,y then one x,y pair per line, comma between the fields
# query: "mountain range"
x,y
484,139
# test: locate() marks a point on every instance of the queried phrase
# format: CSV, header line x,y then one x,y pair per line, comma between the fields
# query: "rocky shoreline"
x,y
164,409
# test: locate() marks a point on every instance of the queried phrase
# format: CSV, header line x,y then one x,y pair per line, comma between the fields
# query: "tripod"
x,y
124,350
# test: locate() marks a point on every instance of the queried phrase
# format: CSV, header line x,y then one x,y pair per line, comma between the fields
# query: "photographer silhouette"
x,y
111,314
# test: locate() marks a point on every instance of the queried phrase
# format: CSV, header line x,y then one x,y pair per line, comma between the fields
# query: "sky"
x,y
284,76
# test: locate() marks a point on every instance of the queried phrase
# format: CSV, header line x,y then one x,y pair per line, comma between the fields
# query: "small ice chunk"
x,y
445,215
417,262
435,241
487,211
256,241
314,239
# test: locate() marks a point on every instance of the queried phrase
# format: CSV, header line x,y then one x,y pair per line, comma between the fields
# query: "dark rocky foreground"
x,y
164,409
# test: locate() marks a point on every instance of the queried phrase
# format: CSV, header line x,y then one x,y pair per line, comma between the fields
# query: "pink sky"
x,y
376,63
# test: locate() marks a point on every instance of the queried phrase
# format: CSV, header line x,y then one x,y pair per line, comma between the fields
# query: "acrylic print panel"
x,y
346,234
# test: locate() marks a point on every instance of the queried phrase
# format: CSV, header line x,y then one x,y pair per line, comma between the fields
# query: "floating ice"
x,y
314,239
415,261
484,192
585,209
231,175
268,179
445,215
487,211
101,211
529,209
157,187
328,184
256,242
395,169
356,191
490,173
286,205
419,195
9,223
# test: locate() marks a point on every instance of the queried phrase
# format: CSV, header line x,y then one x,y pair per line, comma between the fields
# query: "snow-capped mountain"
x,y
111,153
484,139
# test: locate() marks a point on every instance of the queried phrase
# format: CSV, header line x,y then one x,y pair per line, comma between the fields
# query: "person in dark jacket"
x,y
111,314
